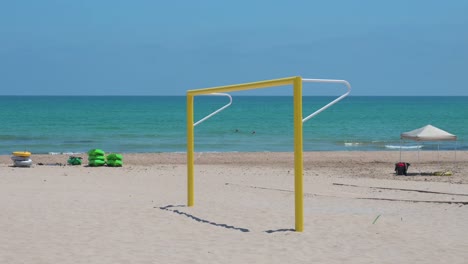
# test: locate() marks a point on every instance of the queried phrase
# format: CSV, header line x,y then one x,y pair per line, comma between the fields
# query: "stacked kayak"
x,y
114,160
21,159
96,158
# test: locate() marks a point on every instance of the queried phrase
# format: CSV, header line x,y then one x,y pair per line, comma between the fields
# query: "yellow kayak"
x,y
22,153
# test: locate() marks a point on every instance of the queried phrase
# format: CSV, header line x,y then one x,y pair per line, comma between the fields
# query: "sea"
x,y
154,124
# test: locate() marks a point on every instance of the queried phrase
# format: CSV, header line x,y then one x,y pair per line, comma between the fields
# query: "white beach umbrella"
x,y
428,133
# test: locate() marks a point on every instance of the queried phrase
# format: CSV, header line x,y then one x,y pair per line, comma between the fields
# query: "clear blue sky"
x,y
150,47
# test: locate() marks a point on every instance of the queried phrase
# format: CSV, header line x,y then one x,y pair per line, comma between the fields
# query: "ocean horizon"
x,y
141,124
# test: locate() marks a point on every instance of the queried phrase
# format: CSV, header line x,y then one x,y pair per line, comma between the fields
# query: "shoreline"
x,y
349,164
268,157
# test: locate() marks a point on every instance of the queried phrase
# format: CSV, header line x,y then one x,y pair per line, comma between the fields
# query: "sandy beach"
x,y
356,210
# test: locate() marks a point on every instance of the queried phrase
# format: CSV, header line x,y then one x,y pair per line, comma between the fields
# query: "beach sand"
x,y
355,209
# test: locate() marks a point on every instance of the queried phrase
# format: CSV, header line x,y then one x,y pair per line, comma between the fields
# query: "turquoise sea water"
x,y
75,124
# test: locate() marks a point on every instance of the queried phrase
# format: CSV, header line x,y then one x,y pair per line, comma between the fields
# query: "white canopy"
x,y
428,133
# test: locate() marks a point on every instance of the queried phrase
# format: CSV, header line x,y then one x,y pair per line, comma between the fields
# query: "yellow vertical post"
x,y
298,158
190,150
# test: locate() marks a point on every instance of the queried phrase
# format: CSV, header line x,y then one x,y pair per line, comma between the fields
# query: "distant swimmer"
x,y
253,132
237,130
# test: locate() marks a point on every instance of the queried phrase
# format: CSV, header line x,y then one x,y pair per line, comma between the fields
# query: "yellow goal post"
x,y
296,82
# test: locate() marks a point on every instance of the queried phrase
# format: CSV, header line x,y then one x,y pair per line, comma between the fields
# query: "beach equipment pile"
x,y
96,158
114,160
21,159
72,160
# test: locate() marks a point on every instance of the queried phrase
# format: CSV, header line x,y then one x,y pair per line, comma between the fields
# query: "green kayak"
x,y
114,163
95,152
114,156
96,163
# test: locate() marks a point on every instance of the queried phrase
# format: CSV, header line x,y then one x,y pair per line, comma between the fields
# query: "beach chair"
x,y
401,168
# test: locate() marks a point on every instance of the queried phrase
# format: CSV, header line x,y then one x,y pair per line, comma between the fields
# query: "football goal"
x,y
296,82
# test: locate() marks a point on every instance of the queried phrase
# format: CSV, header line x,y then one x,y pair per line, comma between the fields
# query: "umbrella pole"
x,y
419,164
400,149
438,154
